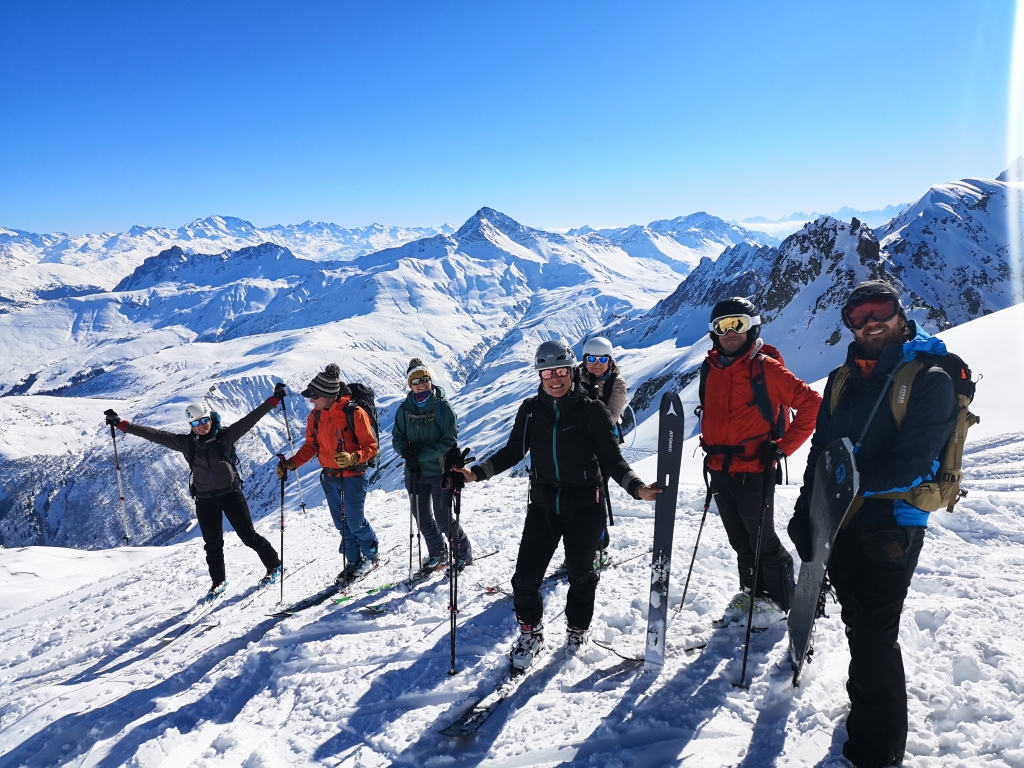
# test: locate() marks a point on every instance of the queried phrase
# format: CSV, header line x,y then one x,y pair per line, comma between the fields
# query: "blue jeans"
x,y
357,536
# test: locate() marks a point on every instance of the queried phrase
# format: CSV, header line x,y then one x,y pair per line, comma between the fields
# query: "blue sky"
x,y
559,114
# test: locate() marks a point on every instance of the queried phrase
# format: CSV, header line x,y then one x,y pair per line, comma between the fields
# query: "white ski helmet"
x,y
554,354
196,410
599,346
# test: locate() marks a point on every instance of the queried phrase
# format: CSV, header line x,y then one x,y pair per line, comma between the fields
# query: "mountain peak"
x,y
477,225
1015,172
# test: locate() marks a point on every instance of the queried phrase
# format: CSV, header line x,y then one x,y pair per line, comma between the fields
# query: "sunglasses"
x,y
598,358
200,422
419,380
736,323
879,309
553,372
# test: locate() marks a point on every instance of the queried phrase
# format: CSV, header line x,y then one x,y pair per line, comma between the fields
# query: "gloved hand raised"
x,y
279,390
112,418
799,527
345,459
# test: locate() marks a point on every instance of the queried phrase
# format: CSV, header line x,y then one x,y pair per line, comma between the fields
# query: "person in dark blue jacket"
x,y
874,557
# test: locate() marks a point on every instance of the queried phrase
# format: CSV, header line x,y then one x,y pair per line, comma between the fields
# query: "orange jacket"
x,y
333,428
731,418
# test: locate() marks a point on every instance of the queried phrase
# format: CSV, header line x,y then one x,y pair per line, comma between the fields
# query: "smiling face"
x,y
732,342
876,334
559,383
203,429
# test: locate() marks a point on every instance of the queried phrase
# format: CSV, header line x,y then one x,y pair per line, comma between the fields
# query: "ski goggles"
x,y
419,380
200,422
598,358
878,308
549,373
737,323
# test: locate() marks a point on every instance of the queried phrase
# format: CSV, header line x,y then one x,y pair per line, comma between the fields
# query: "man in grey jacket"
x,y
209,449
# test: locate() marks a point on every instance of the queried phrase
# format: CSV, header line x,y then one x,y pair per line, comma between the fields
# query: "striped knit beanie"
x,y
327,383
417,368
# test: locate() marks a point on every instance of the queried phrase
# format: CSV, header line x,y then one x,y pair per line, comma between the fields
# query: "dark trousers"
x,y
739,503
871,569
432,516
579,531
234,507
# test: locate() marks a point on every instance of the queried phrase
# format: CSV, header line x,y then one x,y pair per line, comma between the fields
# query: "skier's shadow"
x,y
49,746
423,674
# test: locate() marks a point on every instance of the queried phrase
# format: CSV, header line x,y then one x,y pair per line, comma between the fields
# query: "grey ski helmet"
x,y
553,354
599,346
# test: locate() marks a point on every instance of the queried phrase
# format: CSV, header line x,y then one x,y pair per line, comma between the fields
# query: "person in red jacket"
x,y
341,437
740,443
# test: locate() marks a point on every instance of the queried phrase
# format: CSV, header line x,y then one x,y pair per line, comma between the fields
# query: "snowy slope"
x,y
40,267
948,252
113,671
680,242
476,303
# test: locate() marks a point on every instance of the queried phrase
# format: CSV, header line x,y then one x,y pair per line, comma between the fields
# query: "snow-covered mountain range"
x,y
163,326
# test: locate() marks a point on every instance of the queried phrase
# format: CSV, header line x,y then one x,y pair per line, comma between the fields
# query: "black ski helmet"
x,y
870,289
736,305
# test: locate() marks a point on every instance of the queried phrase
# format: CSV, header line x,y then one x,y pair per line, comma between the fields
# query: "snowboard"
x,y
836,482
670,448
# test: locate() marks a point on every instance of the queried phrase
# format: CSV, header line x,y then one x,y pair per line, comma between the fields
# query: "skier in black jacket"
x,y
209,450
874,557
573,446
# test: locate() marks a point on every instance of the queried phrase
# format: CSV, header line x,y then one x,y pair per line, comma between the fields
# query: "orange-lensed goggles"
x,y
549,373
736,323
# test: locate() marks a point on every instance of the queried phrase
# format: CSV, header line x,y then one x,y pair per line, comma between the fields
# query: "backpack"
x,y
227,453
779,420
945,490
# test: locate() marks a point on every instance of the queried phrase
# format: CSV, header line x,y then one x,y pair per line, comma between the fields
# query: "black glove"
x,y
770,452
454,459
279,391
799,528
411,452
112,418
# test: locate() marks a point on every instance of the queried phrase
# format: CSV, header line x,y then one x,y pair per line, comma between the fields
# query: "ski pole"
x,y
453,565
611,522
284,479
298,480
769,480
344,529
120,485
419,534
686,586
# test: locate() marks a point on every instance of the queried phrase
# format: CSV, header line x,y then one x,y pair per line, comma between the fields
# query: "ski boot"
x,y
575,639
528,645
737,609
271,577
766,613
216,590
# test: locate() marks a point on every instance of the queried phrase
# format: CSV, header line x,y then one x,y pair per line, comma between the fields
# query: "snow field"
x,y
85,679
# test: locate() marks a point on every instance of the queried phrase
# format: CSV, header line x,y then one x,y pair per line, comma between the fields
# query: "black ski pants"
x,y
580,531
871,569
435,516
234,507
739,503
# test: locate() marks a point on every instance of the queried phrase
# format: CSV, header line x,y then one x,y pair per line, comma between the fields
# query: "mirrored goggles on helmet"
x,y
549,373
879,308
598,358
199,422
419,380
738,323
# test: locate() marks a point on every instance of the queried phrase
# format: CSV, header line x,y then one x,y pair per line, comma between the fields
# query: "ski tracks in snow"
x,y
130,671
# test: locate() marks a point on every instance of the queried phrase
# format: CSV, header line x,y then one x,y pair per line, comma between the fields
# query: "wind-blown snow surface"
x,y
112,672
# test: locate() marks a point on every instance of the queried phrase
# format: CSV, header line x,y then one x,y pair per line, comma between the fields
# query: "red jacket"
x,y
731,418
333,428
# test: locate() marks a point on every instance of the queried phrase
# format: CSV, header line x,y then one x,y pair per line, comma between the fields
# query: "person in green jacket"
x,y
425,430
